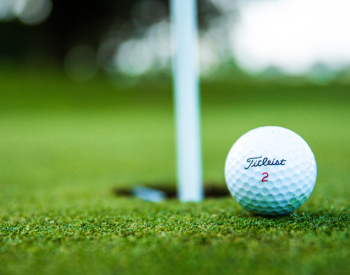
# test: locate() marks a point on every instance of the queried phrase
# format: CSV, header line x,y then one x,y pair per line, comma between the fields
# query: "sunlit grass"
x,y
64,147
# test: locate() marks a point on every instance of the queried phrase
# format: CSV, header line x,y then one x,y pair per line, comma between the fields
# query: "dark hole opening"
x,y
210,190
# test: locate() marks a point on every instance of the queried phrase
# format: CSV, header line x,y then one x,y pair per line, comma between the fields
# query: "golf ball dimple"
x,y
270,171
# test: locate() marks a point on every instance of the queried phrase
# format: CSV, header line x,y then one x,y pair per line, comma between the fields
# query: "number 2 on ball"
x,y
265,178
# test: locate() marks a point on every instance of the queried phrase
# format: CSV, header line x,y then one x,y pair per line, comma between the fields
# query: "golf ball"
x,y
270,171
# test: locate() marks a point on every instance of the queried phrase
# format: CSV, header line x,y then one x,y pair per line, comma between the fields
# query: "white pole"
x,y
186,96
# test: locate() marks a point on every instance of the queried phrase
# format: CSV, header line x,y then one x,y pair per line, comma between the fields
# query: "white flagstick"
x,y
186,84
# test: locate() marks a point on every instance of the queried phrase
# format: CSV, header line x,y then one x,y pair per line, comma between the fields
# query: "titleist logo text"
x,y
259,161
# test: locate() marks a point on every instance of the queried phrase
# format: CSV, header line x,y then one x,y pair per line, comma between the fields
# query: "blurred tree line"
x,y
71,23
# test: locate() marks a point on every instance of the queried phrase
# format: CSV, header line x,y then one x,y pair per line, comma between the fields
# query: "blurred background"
x,y
86,91
132,38
86,107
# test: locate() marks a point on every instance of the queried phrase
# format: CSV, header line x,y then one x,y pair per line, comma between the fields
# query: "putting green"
x,y
65,146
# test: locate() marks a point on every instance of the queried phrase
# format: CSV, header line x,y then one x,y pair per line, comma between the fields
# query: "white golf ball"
x,y
270,171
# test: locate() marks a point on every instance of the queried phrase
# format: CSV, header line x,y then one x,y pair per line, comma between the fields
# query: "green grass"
x,y
64,146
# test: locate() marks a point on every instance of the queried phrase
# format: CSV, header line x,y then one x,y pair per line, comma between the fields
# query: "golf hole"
x,y
159,192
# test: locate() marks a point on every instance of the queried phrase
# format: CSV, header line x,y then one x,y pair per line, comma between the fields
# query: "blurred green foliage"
x,y
73,23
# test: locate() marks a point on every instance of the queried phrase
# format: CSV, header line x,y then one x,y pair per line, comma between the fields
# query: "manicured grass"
x,y
64,146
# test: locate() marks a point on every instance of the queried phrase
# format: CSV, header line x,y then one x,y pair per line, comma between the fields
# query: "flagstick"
x,y
186,96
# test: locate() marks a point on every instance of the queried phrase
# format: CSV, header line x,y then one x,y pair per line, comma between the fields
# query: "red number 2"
x,y
265,178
